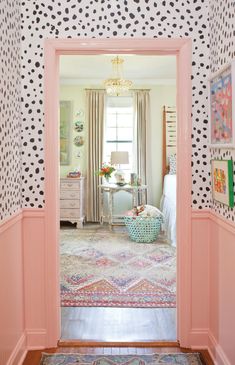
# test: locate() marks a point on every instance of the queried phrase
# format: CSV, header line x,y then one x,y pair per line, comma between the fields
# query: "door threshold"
x,y
87,343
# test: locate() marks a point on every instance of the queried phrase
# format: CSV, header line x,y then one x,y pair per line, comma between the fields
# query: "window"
x,y
119,132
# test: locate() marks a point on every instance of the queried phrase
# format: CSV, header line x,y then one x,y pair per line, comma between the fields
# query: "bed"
x,y
168,207
168,200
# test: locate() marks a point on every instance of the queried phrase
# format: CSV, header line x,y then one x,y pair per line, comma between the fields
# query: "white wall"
x,y
76,94
160,95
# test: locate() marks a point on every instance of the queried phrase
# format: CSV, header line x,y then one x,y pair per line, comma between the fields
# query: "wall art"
x,y
79,126
78,141
222,109
222,181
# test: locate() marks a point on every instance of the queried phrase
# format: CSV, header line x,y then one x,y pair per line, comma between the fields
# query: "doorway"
x,y
109,277
181,49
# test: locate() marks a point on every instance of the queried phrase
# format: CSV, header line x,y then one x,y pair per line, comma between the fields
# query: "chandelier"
x,y
117,85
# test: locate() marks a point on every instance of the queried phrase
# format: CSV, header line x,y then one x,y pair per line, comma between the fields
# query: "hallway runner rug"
x,y
155,359
107,269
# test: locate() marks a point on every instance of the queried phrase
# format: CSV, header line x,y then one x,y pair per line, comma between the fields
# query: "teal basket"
x,y
143,229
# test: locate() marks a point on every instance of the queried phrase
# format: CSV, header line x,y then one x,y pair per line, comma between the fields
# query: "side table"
x,y
138,197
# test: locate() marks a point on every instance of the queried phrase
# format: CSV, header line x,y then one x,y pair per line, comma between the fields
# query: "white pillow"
x,y
150,211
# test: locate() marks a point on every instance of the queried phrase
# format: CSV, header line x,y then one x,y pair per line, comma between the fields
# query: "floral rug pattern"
x,y
107,269
155,359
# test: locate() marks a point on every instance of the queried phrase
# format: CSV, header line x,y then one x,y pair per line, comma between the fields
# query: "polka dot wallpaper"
x,y
222,51
10,151
99,19
106,19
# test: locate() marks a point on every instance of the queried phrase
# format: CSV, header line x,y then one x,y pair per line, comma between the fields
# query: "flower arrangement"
x,y
106,171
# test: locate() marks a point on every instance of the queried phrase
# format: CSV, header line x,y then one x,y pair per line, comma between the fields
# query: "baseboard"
x,y
216,352
34,337
203,339
199,338
18,354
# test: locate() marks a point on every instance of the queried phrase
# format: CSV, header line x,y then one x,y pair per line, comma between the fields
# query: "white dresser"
x,y
72,200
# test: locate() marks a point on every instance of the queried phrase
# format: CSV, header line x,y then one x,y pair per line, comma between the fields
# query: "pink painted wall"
x,y
222,290
23,310
22,283
34,277
200,282
11,284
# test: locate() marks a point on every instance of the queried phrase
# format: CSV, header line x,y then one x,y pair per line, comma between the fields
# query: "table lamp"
x,y
119,158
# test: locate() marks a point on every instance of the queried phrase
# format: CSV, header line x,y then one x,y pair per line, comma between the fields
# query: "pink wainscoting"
x,y
200,278
222,290
23,286
12,335
34,277
213,293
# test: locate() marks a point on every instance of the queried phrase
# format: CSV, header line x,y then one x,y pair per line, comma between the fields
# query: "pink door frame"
x,y
182,49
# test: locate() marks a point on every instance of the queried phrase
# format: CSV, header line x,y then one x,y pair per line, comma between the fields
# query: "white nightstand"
x,y
72,197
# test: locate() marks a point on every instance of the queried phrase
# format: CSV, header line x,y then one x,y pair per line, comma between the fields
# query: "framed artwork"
x,y
79,126
222,108
222,181
65,131
78,141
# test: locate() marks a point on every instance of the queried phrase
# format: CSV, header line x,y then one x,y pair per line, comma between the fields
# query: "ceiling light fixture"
x,y
117,85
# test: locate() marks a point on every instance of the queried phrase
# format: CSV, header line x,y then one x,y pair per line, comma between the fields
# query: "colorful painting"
x,y
222,181
221,108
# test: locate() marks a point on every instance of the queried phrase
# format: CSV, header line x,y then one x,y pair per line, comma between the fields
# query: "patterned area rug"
x,y
107,269
155,359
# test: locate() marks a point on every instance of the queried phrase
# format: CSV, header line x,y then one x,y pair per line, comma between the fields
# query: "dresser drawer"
x,y
69,194
67,185
70,203
69,213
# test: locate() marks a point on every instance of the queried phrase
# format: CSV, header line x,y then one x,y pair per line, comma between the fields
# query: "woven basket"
x,y
143,229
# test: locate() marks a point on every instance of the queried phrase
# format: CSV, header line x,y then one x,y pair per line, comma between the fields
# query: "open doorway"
x,y
172,46
108,280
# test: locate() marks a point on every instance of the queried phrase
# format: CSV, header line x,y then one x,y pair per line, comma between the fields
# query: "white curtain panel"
x,y
95,114
142,118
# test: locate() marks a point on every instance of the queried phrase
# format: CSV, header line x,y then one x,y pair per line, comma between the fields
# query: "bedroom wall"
x,y
52,19
160,95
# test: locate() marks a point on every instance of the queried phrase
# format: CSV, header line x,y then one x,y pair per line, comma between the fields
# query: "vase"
x,y
106,179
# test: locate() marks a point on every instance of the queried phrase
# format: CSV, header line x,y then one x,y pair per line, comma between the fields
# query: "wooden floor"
x,y
33,357
118,324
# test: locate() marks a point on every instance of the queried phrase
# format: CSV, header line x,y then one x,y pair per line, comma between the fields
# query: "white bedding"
x,y
168,207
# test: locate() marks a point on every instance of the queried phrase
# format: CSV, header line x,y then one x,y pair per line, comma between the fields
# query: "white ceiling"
x,y
140,69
